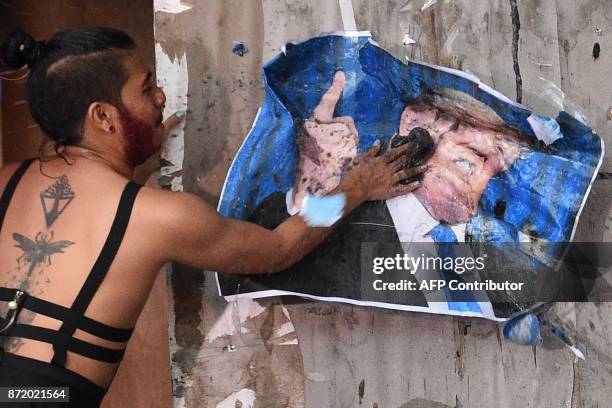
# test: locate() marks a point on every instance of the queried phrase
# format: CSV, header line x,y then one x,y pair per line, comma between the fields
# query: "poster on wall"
x,y
484,233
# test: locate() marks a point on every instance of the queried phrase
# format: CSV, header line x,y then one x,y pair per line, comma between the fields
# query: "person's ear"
x,y
103,117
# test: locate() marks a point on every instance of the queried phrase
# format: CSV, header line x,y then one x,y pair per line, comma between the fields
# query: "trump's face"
x,y
465,158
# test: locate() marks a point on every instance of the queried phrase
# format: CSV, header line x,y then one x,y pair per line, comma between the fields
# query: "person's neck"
x,y
114,161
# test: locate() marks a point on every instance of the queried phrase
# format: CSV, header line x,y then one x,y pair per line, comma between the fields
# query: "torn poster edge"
x,y
338,33
546,129
588,190
431,308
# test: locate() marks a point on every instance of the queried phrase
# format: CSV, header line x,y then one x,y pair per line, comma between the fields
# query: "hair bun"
x,y
21,49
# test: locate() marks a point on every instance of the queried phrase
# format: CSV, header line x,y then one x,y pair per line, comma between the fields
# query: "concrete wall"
x,y
143,379
330,355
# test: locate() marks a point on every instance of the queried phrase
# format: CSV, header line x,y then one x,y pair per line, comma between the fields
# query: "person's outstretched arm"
x,y
192,233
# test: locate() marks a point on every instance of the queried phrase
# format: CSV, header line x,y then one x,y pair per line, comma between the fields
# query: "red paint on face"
x,y
139,138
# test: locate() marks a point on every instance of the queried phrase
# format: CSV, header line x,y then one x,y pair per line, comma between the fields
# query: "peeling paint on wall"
x,y
244,398
173,77
179,380
243,315
348,16
286,328
315,377
172,6
230,321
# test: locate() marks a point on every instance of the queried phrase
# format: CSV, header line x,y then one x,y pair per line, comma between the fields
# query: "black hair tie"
x,y
40,50
31,56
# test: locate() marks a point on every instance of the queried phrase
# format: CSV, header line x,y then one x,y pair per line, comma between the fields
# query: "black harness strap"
x,y
74,318
70,343
100,268
67,315
9,190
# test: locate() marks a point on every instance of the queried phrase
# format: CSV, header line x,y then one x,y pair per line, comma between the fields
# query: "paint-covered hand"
x,y
327,146
172,122
379,177
153,164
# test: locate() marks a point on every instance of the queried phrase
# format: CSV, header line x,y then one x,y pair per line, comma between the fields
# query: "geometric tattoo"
x,y
55,199
40,250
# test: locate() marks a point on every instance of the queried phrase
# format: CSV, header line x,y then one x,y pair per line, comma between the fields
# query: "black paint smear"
x,y
604,176
596,50
276,179
421,147
500,210
516,26
361,390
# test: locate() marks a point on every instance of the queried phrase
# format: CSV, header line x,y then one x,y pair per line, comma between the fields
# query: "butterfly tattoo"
x,y
38,251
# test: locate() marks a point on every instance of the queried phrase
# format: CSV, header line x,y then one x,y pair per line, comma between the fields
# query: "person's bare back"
x,y
53,232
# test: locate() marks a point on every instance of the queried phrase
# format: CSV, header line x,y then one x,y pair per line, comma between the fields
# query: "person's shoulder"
x,y
158,197
169,221
160,201
6,172
165,207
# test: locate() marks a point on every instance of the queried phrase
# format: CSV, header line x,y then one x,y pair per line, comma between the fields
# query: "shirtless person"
x,y
80,244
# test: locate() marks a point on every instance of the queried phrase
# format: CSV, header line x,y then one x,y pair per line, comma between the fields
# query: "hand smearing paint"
x,y
328,153
379,176
144,171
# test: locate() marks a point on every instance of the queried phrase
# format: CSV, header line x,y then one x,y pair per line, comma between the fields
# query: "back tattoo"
x,y
37,252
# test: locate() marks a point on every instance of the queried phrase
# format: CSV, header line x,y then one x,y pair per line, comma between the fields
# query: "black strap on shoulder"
x,y
9,190
109,250
100,268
